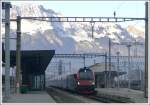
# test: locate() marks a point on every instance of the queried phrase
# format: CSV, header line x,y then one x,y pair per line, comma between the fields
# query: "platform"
x,y
124,94
31,97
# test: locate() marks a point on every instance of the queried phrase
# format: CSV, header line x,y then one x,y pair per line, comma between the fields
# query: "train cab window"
x,y
75,76
86,75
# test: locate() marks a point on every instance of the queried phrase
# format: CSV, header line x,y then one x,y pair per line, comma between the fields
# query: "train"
x,y
82,82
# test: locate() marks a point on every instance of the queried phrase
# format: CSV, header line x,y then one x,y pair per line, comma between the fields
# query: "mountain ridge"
x,y
70,37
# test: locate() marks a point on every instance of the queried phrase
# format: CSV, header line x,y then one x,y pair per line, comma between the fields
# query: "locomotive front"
x,y
85,81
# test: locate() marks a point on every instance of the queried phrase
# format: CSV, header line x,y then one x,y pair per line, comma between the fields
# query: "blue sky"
x,y
93,8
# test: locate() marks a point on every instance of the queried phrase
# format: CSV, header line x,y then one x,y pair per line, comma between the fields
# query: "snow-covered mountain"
x,y
70,37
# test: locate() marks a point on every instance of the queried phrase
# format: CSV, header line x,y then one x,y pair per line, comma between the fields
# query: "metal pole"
x,y
109,78
140,75
11,78
147,32
92,24
94,61
84,60
129,85
44,81
70,67
105,61
18,55
7,50
135,50
106,70
118,82
60,67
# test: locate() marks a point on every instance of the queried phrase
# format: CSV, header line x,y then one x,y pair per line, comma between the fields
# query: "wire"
x,y
118,7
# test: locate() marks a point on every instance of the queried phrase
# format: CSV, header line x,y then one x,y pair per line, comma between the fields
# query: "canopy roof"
x,y
35,61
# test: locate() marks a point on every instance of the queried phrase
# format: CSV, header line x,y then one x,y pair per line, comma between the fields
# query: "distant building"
x,y
137,79
136,75
102,74
101,67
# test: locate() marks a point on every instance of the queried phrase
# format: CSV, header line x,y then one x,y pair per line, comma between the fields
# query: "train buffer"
x,y
31,97
124,95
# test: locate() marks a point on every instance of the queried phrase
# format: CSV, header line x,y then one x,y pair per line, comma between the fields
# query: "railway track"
x,y
103,99
61,97
109,99
64,96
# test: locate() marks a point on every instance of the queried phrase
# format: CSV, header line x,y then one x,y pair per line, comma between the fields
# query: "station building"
x,y
102,74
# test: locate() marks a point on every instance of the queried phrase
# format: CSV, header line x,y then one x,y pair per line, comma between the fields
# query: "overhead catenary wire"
x,y
116,10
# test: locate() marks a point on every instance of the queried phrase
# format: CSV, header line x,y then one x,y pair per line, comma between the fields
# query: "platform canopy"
x,y
35,61
33,66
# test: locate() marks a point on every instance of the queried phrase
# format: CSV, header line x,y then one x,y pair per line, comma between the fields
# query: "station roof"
x,y
113,73
35,61
99,69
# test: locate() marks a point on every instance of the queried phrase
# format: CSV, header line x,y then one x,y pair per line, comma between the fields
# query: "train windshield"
x,y
86,75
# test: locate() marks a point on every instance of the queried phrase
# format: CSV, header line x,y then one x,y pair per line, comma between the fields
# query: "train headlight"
x,y
78,83
93,83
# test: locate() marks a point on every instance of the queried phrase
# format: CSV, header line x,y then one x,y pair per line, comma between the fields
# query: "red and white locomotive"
x,y
82,82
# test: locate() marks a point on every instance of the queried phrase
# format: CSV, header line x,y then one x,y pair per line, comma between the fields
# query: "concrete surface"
x,y
30,97
125,94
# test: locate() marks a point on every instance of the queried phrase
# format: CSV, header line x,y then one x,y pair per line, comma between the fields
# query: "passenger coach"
x,y
82,82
